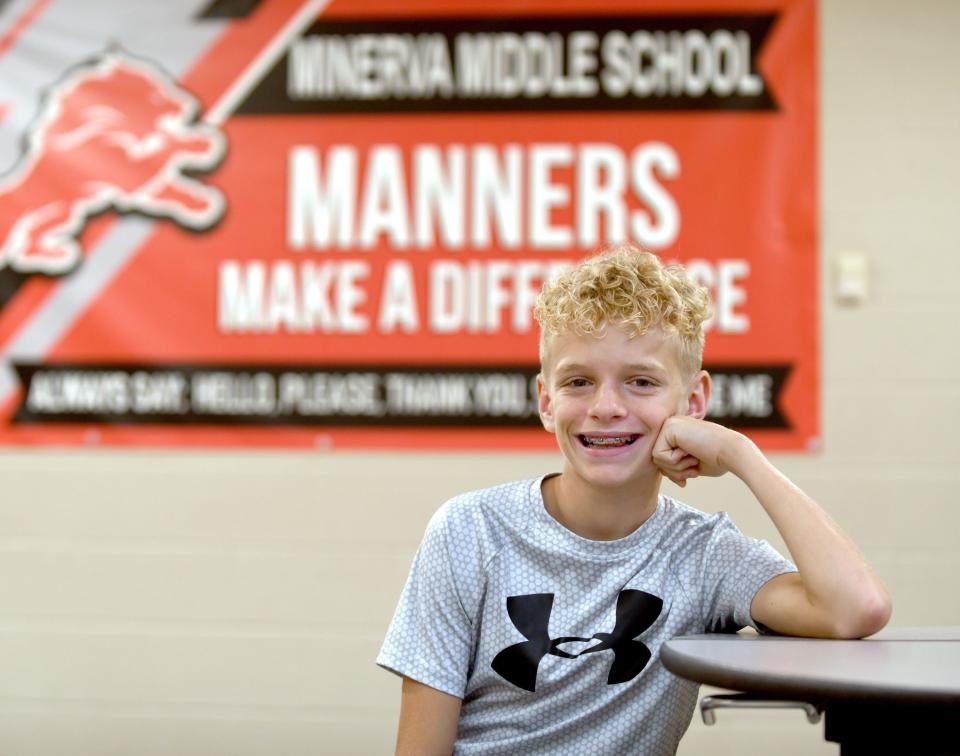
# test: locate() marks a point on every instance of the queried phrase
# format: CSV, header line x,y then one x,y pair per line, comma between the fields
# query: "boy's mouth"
x,y
607,441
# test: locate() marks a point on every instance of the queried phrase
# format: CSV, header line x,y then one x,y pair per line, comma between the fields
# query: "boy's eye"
x,y
577,382
642,382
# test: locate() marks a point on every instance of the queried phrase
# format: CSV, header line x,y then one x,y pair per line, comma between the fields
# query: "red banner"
x,y
326,223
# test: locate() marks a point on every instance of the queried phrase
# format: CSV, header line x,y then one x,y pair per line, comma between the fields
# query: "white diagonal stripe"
x,y
259,66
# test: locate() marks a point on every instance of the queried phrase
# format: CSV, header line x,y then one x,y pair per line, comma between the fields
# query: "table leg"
x,y
869,730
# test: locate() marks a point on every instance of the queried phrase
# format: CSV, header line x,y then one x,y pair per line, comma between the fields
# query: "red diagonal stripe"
x,y
21,24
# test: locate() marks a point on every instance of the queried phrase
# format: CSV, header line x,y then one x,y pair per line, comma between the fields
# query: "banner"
x,y
325,223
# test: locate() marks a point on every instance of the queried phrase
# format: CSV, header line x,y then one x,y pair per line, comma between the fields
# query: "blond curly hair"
x,y
631,288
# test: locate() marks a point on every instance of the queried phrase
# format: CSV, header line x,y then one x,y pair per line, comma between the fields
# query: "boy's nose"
x,y
607,403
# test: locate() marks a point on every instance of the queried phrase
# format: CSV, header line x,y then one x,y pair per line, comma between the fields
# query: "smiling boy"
x,y
533,616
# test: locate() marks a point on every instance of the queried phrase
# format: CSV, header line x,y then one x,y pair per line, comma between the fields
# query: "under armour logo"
x,y
530,614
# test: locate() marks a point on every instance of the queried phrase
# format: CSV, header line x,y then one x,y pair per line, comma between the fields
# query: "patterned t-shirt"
x,y
552,640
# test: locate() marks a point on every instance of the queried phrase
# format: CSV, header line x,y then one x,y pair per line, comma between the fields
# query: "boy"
x,y
534,612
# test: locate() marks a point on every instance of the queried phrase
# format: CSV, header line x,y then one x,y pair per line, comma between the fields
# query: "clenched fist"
x,y
688,447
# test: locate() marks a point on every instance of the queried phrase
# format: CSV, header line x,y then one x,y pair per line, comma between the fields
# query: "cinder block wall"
x,y
214,603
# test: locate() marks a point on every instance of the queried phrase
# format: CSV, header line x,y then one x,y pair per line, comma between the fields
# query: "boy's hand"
x,y
688,447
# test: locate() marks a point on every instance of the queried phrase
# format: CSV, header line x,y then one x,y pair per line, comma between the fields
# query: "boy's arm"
x,y
836,593
428,720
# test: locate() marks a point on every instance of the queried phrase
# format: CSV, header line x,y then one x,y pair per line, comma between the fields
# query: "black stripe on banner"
x,y
623,63
348,396
228,9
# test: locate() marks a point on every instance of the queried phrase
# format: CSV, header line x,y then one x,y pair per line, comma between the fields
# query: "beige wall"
x,y
232,603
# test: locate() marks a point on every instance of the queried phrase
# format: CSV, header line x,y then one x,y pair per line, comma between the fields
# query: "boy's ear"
x,y
544,405
698,395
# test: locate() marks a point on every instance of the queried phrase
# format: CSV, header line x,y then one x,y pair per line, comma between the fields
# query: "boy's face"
x,y
606,399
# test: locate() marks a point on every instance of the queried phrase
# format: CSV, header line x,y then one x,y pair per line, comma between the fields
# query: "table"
x,y
888,695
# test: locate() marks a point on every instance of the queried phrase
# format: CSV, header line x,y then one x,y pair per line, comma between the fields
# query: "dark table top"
x,y
924,669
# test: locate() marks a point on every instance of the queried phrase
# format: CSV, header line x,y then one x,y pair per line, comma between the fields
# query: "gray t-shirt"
x,y
553,640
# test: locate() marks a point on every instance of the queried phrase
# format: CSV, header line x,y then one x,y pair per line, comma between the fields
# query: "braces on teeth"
x,y
607,440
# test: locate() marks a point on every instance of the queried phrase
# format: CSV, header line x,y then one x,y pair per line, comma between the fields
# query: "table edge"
x,y
792,688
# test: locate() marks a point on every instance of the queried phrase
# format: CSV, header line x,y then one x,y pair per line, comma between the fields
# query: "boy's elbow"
x,y
869,616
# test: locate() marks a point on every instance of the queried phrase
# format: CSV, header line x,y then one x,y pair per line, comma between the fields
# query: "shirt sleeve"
x,y
430,638
735,568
